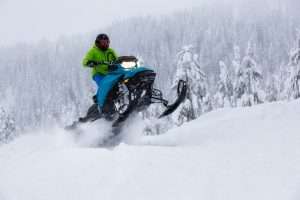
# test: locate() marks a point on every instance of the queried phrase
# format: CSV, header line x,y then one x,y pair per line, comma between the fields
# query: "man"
x,y
100,52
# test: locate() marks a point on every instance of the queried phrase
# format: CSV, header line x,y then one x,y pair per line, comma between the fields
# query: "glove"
x,y
112,67
91,63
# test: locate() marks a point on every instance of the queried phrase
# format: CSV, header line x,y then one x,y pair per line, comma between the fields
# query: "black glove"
x,y
91,63
112,67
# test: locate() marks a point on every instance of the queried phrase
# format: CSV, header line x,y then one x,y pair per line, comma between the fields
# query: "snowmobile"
x,y
126,89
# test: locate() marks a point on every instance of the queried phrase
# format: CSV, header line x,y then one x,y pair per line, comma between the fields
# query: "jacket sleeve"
x,y
89,56
115,56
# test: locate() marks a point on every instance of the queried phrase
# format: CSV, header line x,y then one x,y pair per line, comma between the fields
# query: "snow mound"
x,y
243,153
266,123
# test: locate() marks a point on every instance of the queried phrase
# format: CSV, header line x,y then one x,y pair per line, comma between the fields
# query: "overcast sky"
x,y
32,20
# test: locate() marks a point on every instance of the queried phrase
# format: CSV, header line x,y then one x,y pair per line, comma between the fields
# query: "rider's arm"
x,y
88,57
114,55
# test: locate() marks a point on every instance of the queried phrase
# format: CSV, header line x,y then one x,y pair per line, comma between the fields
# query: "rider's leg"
x,y
98,78
94,111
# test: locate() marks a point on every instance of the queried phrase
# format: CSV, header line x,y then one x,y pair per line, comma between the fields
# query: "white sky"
x,y
33,20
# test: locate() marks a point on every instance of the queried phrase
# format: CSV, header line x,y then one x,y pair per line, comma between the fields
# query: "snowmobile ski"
x,y
181,94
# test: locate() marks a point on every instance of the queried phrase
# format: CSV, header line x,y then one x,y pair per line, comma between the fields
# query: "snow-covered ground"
x,y
231,154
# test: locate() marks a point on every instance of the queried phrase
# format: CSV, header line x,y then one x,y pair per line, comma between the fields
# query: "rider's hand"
x,y
112,67
91,63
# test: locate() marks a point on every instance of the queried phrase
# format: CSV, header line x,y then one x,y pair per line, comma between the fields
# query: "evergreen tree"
x,y
237,81
272,88
224,95
281,79
7,127
292,84
198,100
248,80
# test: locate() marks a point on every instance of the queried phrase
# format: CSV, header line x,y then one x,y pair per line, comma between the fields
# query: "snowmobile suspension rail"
x,y
158,98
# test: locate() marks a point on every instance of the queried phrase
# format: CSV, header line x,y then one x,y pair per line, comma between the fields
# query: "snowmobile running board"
x,y
181,94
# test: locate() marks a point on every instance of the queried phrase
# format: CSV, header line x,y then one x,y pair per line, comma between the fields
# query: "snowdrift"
x,y
242,153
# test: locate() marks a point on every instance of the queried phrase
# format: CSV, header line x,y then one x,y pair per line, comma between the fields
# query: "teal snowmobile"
x,y
126,89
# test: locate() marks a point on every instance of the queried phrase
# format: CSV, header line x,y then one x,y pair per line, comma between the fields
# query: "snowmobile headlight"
x,y
129,65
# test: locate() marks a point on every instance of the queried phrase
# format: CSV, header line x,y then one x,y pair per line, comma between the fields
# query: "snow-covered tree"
x,y
292,85
236,65
224,95
280,78
236,62
272,88
248,80
7,127
198,100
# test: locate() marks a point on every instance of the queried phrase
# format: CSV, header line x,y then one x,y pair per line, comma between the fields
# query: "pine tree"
x,y
272,88
281,78
237,81
248,80
7,127
198,100
224,95
292,85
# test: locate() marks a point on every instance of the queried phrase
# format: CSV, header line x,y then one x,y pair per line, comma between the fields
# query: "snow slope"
x,y
231,154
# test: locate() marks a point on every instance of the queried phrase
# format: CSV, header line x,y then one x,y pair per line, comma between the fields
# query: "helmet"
x,y
102,41
102,36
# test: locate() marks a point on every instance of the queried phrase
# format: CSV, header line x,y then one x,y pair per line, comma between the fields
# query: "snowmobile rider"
x,y
100,52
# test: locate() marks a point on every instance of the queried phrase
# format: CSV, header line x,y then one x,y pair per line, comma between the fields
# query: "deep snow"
x,y
242,153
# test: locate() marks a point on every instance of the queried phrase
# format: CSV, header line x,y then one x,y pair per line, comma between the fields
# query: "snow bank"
x,y
266,123
243,153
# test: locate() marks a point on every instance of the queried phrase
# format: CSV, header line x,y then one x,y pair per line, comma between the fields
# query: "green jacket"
x,y
97,55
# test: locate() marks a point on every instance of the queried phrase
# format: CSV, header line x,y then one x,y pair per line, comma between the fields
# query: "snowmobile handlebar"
x,y
111,65
118,61
105,63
